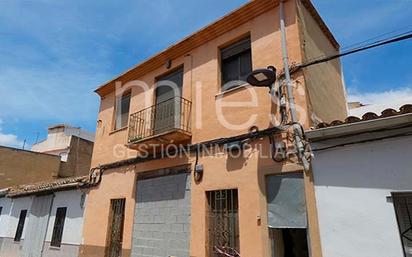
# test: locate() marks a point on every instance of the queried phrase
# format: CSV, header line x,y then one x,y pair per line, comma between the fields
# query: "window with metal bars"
x,y
20,226
403,208
58,227
223,222
236,62
115,228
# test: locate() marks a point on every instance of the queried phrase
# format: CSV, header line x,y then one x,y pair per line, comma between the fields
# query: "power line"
x,y
362,43
359,44
398,38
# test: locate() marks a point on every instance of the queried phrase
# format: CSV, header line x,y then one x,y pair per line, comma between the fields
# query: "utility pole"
x,y
297,129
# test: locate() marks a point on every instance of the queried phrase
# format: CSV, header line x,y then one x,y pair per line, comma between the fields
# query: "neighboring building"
x,y
43,194
66,153
392,101
61,139
20,166
151,206
44,219
362,175
355,105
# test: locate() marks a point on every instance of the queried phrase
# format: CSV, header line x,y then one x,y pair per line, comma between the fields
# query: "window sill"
x,y
118,130
232,90
55,248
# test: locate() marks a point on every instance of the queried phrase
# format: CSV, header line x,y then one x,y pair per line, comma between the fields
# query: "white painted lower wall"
x,y
5,203
352,183
12,219
73,226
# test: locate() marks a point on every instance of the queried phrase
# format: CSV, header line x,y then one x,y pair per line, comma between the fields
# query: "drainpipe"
x,y
297,128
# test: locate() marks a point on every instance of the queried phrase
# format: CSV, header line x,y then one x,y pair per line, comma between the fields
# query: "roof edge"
x,y
366,126
48,186
325,29
201,34
211,31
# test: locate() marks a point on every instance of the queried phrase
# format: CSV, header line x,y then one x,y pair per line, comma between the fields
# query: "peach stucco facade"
x,y
247,174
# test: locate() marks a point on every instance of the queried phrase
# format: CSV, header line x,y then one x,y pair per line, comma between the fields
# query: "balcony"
x,y
165,123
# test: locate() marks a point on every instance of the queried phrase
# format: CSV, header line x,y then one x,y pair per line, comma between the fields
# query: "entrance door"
x,y
287,218
115,230
168,93
37,226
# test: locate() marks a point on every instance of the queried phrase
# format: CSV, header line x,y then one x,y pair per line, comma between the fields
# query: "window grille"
x,y
403,208
223,220
115,229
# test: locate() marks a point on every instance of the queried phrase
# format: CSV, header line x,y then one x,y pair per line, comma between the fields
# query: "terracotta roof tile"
x,y
405,109
56,185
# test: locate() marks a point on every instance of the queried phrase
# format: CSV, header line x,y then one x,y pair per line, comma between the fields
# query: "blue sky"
x,y
54,53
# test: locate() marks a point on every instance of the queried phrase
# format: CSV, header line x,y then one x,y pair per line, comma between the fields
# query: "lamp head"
x,y
262,77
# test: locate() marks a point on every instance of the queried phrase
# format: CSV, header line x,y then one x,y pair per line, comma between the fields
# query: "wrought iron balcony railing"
x,y
163,118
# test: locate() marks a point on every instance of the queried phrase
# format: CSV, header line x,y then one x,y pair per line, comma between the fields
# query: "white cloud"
x,y
9,139
377,102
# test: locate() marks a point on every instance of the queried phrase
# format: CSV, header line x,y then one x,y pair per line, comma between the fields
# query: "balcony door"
x,y
168,99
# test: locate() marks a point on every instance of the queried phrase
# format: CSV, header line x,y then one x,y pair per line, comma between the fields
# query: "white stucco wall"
x,y
73,224
352,184
55,142
13,215
58,141
5,203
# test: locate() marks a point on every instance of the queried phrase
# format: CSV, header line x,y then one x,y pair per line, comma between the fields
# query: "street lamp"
x,y
262,77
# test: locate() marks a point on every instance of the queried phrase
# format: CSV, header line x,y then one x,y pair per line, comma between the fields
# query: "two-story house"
x,y
175,177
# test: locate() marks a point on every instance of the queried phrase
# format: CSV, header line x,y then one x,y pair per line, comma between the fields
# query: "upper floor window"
x,y
236,62
122,110
58,226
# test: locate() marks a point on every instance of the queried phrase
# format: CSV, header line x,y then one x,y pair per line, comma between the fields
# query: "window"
x,y
236,62
1,209
115,228
403,209
20,226
58,227
122,110
223,222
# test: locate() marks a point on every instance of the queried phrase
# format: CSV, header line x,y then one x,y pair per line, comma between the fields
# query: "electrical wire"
x,y
402,37
359,44
362,43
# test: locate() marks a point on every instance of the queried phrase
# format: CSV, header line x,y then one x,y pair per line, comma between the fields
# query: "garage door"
x,y
162,217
